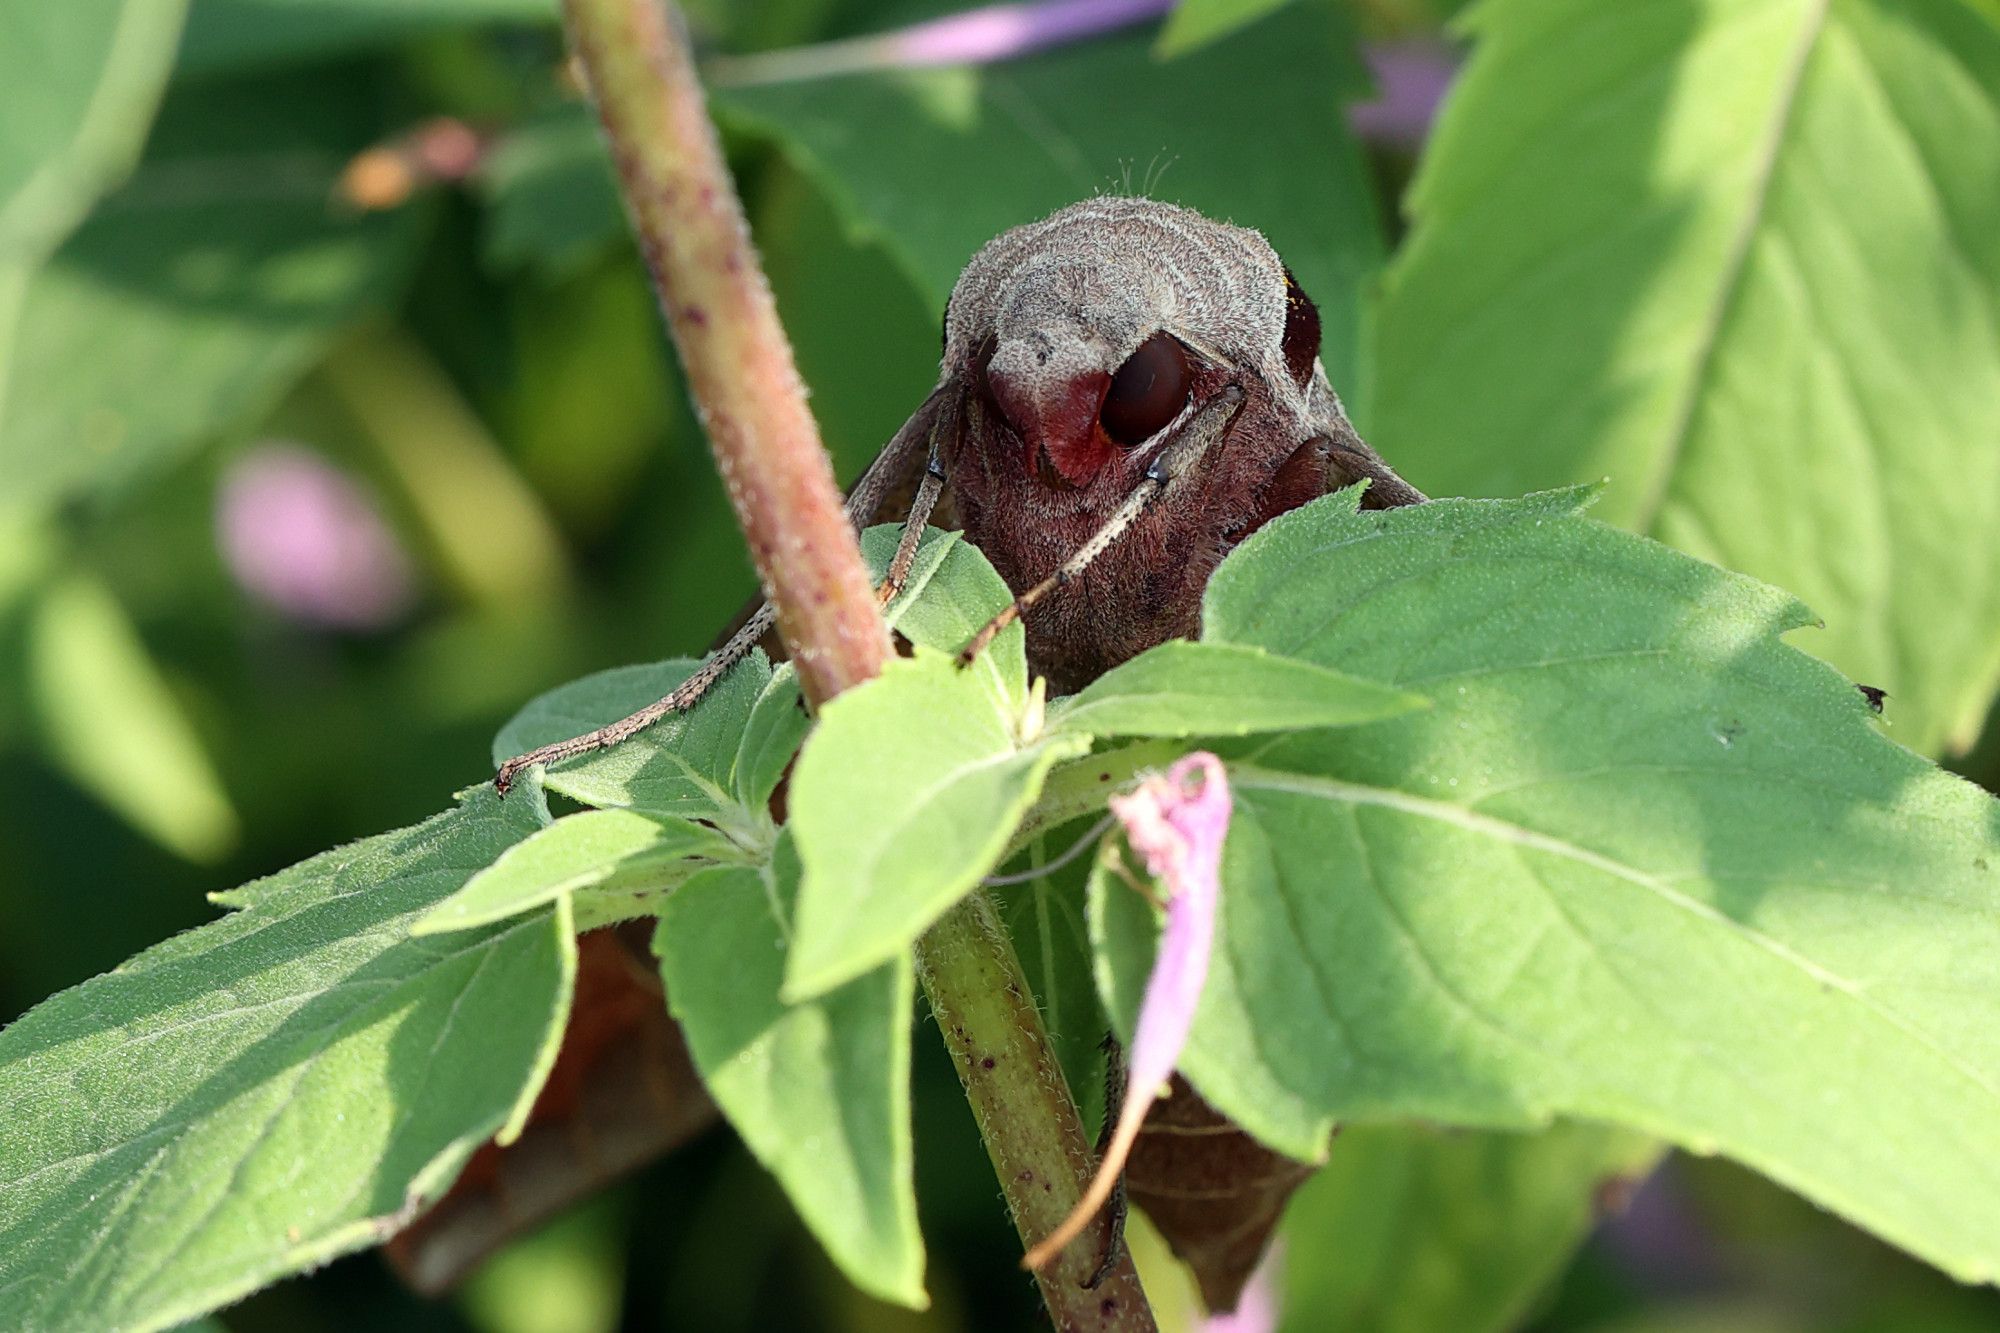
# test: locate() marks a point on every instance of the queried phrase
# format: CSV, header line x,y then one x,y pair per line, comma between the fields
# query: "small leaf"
x,y
778,722
1196,23
254,1097
950,594
820,1091
1216,689
682,765
906,793
610,851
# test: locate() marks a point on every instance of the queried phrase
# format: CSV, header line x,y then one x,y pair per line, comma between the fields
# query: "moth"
x,y
1128,390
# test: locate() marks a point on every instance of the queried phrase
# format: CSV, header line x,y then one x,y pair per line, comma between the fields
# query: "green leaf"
x,y
905,794
112,723
1196,23
78,86
1772,317
197,293
554,201
233,34
1408,1229
1045,918
820,1091
771,736
615,854
284,1085
1642,863
979,150
950,594
1216,689
683,765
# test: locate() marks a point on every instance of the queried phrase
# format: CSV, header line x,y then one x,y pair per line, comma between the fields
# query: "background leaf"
x,y
1410,1229
1642,863
820,1091
1195,23
82,81
228,34
114,725
981,150
159,1122
1772,317
195,295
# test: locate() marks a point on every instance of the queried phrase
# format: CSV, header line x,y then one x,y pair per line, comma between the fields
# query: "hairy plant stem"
x,y
1025,1111
690,225
684,208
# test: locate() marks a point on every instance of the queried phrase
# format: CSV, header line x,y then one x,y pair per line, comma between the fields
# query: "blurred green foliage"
x,y
482,362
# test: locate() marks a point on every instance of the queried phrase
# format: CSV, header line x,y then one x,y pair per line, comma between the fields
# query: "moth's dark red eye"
x,y
1148,391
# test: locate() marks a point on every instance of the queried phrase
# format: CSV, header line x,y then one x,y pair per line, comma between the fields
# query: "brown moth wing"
x,y
1214,1192
623,1091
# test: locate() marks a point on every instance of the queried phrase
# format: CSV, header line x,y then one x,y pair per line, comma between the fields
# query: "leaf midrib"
x,y
1730,282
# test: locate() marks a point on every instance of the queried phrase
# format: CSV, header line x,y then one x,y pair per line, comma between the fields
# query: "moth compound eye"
x,y
1148,391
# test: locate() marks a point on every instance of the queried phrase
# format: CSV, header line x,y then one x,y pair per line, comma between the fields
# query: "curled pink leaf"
x,y
1177,823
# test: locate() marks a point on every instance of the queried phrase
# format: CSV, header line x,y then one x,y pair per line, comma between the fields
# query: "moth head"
x,y
1091,334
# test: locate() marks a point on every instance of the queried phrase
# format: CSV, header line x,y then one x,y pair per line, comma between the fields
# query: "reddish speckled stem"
x,y
739,364
690,224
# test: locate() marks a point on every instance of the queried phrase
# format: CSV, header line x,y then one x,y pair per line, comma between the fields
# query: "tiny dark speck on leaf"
x,y
1104,777
1107,1307
1874,694
987,1063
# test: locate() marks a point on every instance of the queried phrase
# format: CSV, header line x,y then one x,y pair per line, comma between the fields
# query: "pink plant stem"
x,y
739,364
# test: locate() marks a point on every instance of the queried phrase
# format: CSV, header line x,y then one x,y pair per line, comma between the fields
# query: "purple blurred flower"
x,y
1411,79
1177,823
302,536
974,37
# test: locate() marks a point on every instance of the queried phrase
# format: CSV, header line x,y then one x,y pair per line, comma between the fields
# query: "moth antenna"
x,y
890,467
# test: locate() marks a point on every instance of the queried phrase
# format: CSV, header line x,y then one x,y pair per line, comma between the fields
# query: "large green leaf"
x,y
78,85
1744,258
281,1086
1409,1229
979,150
820,1091
195,294
1641,863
